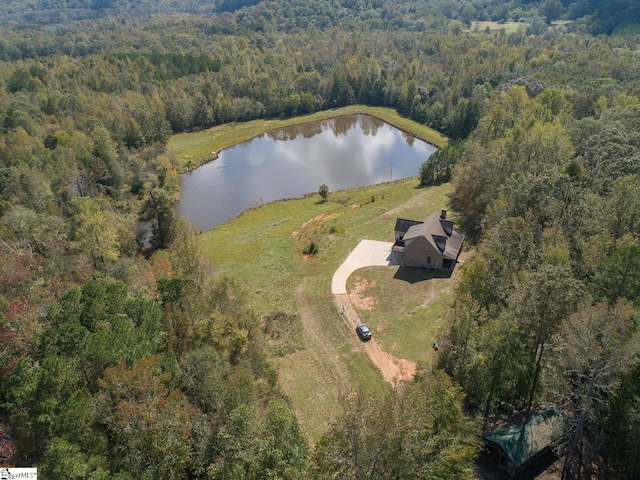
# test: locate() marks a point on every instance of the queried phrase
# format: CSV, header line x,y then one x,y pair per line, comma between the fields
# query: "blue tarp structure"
x,y
520,442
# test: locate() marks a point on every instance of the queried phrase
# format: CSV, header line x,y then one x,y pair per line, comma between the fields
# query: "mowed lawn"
x,y
403,308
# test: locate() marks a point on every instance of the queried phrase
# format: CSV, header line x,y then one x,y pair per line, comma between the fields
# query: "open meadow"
x,y
262,250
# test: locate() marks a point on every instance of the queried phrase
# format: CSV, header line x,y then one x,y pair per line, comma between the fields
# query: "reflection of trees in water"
x,y
410,139
312,129
341,125
338,125
307,130
370,125
282,134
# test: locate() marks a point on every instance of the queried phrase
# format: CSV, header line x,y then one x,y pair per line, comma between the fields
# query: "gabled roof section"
x,y
520,442
403,225
440,233
447,226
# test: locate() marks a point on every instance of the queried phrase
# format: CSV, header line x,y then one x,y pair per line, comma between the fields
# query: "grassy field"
x,y
508,27
263,246
190,150
262,250
402,307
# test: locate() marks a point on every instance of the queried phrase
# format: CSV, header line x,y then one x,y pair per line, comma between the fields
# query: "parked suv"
x,y
363,332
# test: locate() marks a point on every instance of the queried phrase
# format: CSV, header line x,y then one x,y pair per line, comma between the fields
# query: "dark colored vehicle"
x,y
363,332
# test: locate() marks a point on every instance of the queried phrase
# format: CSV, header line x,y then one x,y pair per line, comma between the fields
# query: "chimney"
x,y
443,213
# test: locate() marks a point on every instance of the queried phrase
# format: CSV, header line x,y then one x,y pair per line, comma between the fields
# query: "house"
x,y
433,243
518,444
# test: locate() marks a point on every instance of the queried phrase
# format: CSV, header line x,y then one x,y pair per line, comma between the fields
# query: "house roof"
x,y
402,224
520,442
440,233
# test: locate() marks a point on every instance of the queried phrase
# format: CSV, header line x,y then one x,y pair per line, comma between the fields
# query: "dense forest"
x,y
122,358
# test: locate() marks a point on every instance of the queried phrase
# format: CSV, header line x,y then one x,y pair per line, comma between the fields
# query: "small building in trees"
x,y
518,443
433,243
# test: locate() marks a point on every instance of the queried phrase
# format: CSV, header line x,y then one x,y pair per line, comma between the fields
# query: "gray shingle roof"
x,y
402,224
439,232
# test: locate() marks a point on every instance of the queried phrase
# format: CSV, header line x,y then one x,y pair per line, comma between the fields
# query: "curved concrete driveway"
x,y
368,253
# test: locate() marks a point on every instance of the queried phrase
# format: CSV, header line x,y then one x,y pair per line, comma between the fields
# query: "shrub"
x,y
311,248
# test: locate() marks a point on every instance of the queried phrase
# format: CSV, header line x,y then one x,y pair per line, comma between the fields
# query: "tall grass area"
x,y
190,150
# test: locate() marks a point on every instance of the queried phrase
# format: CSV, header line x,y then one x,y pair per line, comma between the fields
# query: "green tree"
x,y
551,10
462,119
46,400
472,190
418,431
323,191
205,373
618,275
599,344
283,451
155,430
99,325
619,215
20,80
65,459
233,448
438,167
159,209
97,231
540,303
485,355
621,439
509,250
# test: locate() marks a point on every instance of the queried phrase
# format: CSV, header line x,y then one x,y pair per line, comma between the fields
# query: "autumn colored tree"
x,y
137,408
97,231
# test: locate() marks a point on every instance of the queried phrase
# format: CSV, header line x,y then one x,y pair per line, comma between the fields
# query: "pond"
x,y
342,152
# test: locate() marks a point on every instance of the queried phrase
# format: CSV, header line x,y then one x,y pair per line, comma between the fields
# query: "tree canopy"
x,y
123,356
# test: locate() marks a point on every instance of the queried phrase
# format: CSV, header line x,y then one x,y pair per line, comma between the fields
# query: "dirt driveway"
x,y
366,254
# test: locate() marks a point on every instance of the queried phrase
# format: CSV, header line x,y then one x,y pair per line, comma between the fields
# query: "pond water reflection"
x,y
342,152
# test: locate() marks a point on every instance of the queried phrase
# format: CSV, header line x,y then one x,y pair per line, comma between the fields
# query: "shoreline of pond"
x,y
361,158
190,153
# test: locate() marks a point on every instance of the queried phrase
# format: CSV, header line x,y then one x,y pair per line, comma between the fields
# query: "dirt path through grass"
x,y
315,376
393,369
324,352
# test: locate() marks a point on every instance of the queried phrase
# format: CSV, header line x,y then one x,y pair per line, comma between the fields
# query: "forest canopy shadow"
x,y
414,275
